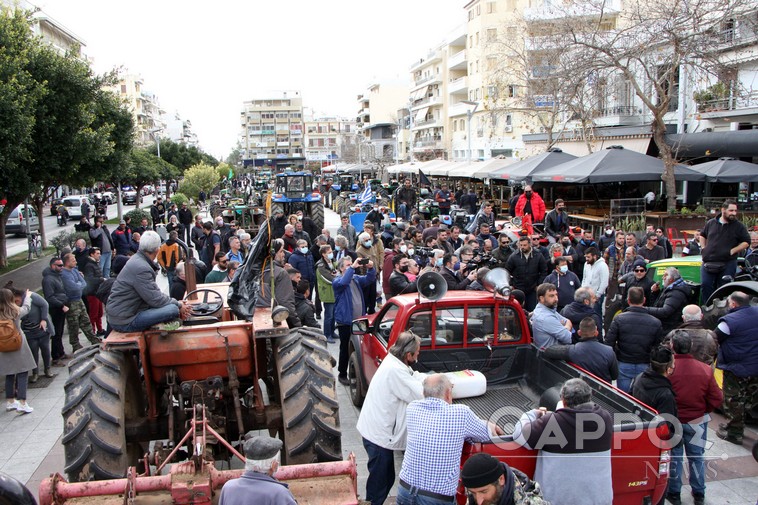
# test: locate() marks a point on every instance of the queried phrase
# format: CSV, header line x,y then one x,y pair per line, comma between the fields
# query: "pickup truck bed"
x,y
519,378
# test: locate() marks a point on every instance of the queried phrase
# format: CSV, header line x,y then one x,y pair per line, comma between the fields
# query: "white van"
x,y
73,204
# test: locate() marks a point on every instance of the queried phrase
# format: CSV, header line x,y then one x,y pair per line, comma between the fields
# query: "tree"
x,y
20,93
142,169
655,46
199,177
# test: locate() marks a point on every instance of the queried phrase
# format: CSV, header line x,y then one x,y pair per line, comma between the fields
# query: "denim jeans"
x,y
627,373
405,497
329,321
150,317
15,386
404,211
693,444
711,282
381,472
105,263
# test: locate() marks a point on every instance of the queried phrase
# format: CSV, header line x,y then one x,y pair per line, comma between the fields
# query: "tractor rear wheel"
x,y
277,207
316,211
102,394
310,410
337,204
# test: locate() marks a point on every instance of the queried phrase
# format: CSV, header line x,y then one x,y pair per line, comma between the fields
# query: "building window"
x,y
471,14
508,120
476,39
511,91
123,89
491,7
491,34
478,9
470,41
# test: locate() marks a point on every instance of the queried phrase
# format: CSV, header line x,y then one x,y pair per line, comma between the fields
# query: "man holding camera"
x,y
452,272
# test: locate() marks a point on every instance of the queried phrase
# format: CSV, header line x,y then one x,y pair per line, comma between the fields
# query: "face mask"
x,y
485,235
566,243
404,268
304,250
528,194
410,252
330,256
367,244
438,262
609,232
457,265
299,218
337,248
564,268
403,249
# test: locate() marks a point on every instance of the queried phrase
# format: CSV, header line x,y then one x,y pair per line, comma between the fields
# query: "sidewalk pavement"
x,y
28,276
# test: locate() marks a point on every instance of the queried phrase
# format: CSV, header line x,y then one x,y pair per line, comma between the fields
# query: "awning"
x,y
418,94
421,114
738,144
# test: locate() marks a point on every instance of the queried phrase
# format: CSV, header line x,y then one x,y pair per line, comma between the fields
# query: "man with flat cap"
x,y
492,482
258,485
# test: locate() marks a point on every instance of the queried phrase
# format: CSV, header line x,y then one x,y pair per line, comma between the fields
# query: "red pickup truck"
x,y
468,330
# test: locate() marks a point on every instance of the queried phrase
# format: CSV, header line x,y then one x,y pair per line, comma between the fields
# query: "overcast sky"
x,y
203,59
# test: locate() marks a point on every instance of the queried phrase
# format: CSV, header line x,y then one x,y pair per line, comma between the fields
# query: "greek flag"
x,y
366,195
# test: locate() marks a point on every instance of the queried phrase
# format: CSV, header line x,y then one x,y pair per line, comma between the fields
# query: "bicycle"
x,y
34,245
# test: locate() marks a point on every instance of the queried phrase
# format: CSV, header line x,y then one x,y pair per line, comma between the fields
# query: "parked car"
x,y
129,197
17,221
73,204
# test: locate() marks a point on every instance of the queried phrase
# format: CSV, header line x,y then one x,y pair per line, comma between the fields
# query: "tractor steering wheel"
x,y
205,307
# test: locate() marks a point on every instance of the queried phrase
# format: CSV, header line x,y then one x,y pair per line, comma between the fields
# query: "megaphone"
x,y
498,280
431,285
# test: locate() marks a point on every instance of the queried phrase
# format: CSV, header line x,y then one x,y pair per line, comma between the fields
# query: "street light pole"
x,y
469,115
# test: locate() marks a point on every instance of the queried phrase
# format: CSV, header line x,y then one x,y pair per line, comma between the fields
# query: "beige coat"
x,y
20,361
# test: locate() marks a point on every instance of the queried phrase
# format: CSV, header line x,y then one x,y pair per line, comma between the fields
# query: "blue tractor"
x,y
294,191
344,184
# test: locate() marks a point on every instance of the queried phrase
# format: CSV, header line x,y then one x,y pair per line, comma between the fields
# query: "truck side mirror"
x,y
360,327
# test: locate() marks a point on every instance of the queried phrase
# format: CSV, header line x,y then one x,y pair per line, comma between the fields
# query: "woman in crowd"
x,y
15,365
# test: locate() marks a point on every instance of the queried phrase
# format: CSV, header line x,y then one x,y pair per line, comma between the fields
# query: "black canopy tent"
x,y
729,170
525,169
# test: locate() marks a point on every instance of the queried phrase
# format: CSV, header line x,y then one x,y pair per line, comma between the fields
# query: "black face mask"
x,y
528,194
566,243
404,268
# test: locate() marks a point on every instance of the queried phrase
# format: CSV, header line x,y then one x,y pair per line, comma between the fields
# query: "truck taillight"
x,y
663,462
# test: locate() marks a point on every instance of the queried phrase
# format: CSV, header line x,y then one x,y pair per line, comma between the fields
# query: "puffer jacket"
x,y
633,334
669,304
52,287
738,351
304,263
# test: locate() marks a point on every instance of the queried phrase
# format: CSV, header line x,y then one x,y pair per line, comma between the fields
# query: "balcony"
x,y
736,35
621,115
426,123
283,144
430,79
457,61
427,102
739,105
433,143
459,109
577,9
432,57
458,86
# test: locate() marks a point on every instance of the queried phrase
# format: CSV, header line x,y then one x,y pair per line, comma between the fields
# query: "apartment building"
x,y
330,139
180,130
272,131
146,110
428,101
52,31
377,120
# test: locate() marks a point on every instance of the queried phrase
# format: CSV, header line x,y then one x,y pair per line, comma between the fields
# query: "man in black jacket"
x,y
185,218
668,303
528,268
633,334
453,276
405,200
583,306
653,387
589,353
306,312
398,281
55,294
556,222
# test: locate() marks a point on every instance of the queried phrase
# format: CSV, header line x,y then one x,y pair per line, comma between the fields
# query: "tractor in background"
x,y
294,191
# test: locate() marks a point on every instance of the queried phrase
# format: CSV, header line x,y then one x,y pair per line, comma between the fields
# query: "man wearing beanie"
x,y
262,455
491,482
638,278
436,432
572,441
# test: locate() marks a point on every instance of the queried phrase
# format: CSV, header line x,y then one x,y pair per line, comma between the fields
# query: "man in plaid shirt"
x,y
436,432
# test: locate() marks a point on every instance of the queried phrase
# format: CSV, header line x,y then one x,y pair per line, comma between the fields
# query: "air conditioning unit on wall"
x,y
508,129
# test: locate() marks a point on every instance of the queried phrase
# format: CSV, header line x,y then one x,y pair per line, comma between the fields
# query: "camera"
x,y
483,260
363,261
425,252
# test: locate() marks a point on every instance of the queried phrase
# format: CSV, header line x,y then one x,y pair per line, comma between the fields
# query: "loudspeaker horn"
x,y
431,285
498,280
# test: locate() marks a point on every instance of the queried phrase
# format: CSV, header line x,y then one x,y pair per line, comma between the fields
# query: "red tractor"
x,y
141,400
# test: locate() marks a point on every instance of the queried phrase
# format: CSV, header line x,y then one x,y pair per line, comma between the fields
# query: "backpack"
x,y
10,337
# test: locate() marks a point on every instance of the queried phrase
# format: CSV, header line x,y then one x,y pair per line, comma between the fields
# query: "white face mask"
x,y
564,268
410,252
403,249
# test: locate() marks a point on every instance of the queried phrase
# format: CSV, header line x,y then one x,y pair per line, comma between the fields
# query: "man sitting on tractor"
x,y
136,302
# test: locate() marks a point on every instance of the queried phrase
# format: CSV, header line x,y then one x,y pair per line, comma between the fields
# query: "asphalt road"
x,y
16,245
